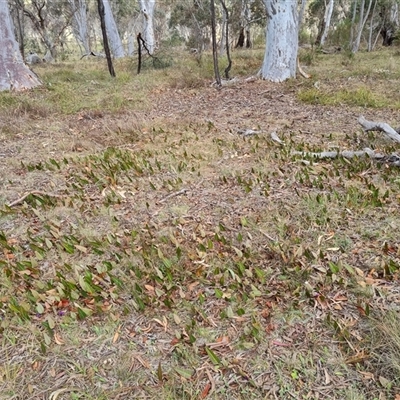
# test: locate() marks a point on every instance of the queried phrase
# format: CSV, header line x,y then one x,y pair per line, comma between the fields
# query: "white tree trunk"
x,y
327,21
371,27
80,26
361,24
394,14
353,20
14,74
301,13
147,9
116,46
281,41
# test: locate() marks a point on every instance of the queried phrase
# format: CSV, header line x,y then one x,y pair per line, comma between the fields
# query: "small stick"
x,y
212,381
183,191
34,192
267,236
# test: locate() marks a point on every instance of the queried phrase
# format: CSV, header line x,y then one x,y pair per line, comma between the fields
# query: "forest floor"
x,y
149,249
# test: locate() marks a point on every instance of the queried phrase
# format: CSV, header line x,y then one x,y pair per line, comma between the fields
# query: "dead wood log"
x,y
392,159
379,126
345,154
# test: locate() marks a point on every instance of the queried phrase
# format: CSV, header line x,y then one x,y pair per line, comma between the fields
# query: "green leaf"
x,y
51,322
84,285
39,308
333,267
349,269
186,373
255,292
213,357
47,339
159,372
83,312
69,248
229,312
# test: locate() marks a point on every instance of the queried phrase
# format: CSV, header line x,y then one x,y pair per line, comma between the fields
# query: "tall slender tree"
x,y
80,23
100,6
14,74
147,10
214,44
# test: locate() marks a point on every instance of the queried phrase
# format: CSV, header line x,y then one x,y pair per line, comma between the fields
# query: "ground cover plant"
x,y
149,249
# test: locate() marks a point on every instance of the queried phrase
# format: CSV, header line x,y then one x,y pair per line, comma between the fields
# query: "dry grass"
x,y
166,256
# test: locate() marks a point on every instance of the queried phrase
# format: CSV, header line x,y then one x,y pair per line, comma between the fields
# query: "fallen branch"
x,y
379,126
301,71
345,154
393,159
35,193
248,132
183,191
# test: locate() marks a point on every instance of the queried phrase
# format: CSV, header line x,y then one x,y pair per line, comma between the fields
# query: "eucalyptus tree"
x,y
326,22
280,60
14,74
80,23
147,10
390,21
114,38
321,11
191,19
17,16
49,20
359,28
245,21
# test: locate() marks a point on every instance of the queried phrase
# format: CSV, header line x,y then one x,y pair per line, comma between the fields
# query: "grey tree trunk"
x,y
353,20
245,20
147,9
117,48
282,40
80,26
371,28
14,74
301,12
327,21
361,24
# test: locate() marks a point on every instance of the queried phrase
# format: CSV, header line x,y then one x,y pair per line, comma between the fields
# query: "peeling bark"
x,y
14,74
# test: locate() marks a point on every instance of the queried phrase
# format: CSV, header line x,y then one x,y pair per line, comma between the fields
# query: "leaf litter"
x,y
191,259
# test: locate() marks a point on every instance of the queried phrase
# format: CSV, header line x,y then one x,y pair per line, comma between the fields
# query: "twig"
x,y
183,191
34,192
276,138
268,236
301,71
212,381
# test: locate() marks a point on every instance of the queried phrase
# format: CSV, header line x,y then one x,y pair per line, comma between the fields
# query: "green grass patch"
x,y
362,97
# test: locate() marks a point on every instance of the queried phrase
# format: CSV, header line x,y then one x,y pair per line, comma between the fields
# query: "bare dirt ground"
x,y
288,324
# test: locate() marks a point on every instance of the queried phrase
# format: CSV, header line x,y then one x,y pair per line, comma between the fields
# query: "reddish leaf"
x,y
205,391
